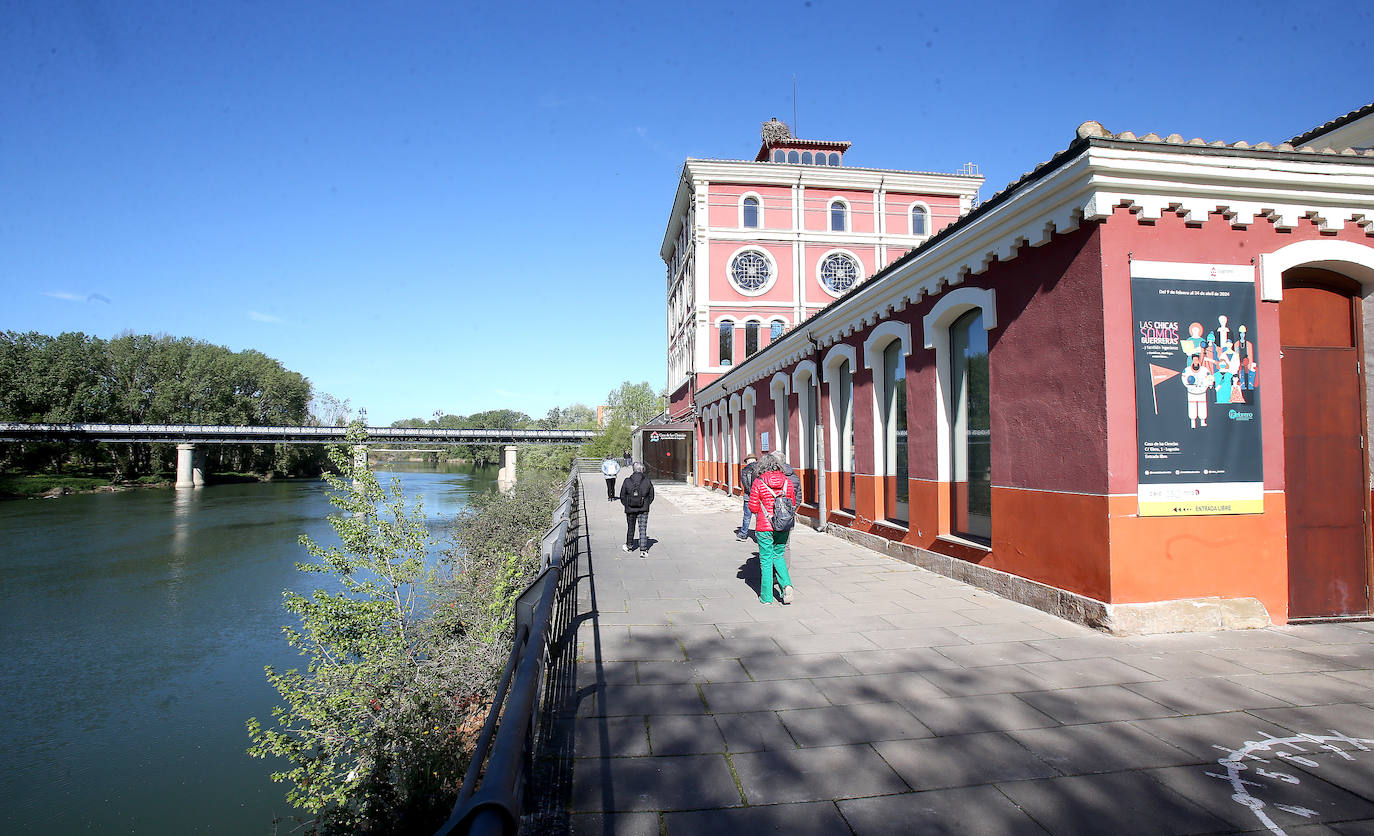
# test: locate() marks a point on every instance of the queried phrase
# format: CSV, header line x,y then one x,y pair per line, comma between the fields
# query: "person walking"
x,y
747,474
769,485
636,495
610,468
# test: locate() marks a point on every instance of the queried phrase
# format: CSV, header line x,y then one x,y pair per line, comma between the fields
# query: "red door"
x,y
1324,457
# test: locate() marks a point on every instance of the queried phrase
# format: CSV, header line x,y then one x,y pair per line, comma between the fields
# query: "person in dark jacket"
x,y
771,485
636,495
747,475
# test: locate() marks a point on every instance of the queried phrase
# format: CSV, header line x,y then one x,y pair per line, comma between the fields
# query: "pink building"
x,y
755,247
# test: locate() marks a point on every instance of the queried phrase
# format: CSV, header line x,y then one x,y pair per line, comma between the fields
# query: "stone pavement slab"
x,y
888,699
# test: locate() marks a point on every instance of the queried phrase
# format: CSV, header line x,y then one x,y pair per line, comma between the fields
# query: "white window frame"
x,y
829,370
910,210
749,401
935,326
804,384
734,326
780,388
829,215
858,263
740,207
883,335
772,270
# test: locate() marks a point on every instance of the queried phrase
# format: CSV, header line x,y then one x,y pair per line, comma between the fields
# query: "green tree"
x,y
635,403
368,731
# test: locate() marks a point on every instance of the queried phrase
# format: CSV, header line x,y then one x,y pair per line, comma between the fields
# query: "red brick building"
x,y
1023,400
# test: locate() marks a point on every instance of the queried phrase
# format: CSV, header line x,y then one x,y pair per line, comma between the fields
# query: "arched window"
x,y
807,387
727,343
897,489
775,329
781,423
970,428
751,211
779,155
842,420
806,158
751,338
839,216
838,272
834,159
793,157
920,218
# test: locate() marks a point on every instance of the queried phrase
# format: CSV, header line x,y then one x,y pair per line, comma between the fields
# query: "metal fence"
x,y
505,748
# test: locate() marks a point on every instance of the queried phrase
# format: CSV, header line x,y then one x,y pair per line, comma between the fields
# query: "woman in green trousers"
x,y
771,484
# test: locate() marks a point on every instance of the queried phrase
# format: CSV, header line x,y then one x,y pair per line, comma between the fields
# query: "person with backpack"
x,y
747,474
610,468
636,495
774,501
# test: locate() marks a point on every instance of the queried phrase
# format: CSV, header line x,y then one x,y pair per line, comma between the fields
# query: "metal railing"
x,y
233,434
505,747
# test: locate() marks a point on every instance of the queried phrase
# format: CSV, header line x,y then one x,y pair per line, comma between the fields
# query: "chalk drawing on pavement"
x,y
1276,763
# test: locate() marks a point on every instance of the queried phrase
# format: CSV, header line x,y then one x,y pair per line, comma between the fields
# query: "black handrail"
x,y
494,808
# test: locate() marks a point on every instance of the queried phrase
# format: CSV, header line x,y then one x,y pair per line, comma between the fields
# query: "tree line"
x,y
144,379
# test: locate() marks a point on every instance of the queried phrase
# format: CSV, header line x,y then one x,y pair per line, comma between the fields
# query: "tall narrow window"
x,y
918,220
780,422
970,428
751,338
894,423
727,343
813,423
838,213
842,393
751,211
775,330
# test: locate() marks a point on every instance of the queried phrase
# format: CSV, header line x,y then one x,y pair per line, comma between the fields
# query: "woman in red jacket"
x,y
768,486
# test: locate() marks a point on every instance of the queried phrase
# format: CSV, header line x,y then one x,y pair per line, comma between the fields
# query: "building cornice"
x,y
1088,182
838,177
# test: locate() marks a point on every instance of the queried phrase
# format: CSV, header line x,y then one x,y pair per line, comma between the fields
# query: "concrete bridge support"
x,y
190,466
505,477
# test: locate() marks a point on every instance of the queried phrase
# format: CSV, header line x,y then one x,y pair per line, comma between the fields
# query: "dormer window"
x,y
806,158
793,156
839,216
834,159
750,212
779,155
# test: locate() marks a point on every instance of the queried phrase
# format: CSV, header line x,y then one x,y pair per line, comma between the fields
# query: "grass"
x,y
36,484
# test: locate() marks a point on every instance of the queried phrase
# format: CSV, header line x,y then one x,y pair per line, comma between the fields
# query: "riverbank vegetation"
x,y
575,417
400,660
142,379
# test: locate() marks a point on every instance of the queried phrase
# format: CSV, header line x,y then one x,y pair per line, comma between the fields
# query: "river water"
x,y
134,628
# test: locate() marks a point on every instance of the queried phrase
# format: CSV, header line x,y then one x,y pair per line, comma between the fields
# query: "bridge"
x,y
190,468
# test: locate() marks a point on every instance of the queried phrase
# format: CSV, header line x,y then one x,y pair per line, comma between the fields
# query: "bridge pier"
x,y
505,477
190,466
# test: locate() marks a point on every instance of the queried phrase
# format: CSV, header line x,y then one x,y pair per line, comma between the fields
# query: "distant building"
x,y
1354,131
755,247
1131,388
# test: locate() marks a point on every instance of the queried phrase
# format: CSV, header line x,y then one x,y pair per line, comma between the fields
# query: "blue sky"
x,y
458,206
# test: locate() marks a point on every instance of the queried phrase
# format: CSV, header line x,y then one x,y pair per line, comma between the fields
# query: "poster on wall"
x,y
1197,389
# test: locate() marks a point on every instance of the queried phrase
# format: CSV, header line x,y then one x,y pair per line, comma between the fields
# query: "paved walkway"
x,y
888,699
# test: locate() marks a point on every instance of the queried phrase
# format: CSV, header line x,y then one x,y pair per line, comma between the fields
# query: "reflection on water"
x,y
136,628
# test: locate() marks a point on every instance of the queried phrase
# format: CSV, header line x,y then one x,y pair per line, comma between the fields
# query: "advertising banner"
x,y
1197,389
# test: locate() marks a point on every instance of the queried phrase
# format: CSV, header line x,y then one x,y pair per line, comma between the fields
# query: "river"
x,y
134,628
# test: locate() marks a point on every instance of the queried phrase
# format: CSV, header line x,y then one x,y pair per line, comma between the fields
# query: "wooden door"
x,y
1324,457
